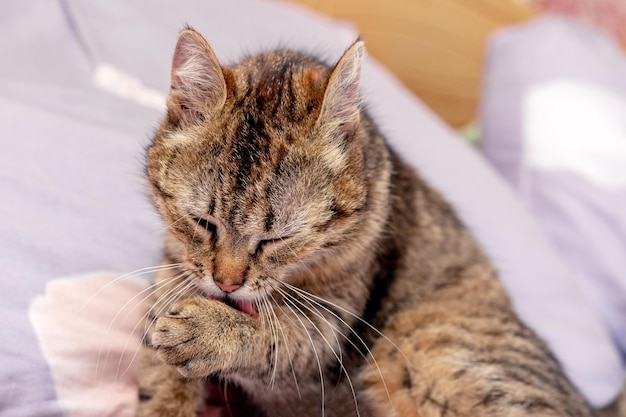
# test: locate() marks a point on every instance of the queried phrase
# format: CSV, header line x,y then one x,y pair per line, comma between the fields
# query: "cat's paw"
x,y
200,337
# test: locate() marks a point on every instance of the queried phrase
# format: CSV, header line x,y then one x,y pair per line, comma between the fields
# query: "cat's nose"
x,y
227,287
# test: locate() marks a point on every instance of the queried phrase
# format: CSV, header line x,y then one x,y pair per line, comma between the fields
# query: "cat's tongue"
x,y
246,306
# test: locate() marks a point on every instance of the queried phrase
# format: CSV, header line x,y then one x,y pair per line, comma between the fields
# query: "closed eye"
x,y
205,224
266,243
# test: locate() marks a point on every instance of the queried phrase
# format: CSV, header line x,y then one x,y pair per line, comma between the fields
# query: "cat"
x,y
309,267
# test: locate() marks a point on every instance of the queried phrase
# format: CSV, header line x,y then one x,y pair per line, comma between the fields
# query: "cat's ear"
x,y
341,106
198,86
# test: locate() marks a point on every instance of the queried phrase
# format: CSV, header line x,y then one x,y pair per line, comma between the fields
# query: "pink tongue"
x,y
247,307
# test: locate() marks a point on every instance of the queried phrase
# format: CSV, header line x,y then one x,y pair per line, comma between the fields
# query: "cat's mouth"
x,y
245,306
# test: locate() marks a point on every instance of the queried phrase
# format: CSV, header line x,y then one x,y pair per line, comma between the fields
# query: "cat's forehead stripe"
x,y
278,87
250,148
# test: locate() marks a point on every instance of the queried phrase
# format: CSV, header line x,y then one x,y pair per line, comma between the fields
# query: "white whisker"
x,y
154,288
133,274
308,296
378,332
264,314
161,230
274,331
169,297
180,289
317,358
286,346
151,289
292,300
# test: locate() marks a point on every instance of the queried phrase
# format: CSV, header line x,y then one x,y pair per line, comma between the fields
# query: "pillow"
x,y
554,125
79,99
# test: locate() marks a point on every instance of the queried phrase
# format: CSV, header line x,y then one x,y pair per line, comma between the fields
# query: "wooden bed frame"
x,y
435,47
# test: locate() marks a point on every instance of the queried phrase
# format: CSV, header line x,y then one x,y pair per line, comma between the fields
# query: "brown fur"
x,y
271,178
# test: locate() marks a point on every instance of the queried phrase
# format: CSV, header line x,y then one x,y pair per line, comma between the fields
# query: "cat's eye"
x,y
205,224
266,243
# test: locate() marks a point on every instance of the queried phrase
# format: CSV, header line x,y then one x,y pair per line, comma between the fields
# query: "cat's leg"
x,y
203,337
452,358
163,392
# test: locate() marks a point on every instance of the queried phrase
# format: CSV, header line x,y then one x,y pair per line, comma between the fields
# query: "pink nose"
x,y
227,287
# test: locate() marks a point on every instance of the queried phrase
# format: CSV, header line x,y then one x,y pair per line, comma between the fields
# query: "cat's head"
x,y
258,166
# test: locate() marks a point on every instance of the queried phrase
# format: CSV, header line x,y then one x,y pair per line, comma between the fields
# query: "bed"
x,y
82,86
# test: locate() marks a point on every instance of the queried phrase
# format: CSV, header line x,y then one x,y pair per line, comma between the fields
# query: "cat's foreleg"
x,y
466,358
201,337
163,391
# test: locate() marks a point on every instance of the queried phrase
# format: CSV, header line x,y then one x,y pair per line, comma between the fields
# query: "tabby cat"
x,y
309,267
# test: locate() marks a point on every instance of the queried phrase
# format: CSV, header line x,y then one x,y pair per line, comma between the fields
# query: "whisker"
x,y
278,321
274,331
262,314
137,272
163,229
317,358
154,288
150,287
358,349
262,310
292,300
165,300
307,296
293,371
161,298
132,360
316,312
179,288
378,332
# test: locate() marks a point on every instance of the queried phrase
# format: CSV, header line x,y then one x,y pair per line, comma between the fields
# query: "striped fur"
x,y
372,298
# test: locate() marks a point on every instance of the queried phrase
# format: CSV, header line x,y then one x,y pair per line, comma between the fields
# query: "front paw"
x,y
201,337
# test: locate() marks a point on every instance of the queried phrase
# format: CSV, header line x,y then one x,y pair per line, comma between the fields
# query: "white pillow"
x,y
554,124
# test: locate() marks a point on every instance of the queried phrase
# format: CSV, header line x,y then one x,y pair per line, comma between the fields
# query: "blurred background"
x,y
437,48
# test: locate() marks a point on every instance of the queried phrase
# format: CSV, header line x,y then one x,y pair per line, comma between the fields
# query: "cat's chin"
x,y
245,306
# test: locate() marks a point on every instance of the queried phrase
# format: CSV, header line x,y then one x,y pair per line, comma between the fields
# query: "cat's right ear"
x,y
198,86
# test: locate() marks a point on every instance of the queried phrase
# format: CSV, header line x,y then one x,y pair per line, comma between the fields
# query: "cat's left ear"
x,y
198,86
341,106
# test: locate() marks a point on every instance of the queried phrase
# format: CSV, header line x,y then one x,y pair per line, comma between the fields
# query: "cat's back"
x,y
453,342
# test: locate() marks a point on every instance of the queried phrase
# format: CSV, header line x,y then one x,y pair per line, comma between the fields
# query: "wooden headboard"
x,y
436,47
